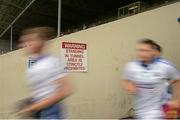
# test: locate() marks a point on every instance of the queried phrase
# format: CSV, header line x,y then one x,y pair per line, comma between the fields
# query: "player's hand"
x,y
132,89
19,113
22,112
174,104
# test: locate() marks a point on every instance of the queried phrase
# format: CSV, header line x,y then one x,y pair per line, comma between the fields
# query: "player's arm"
x,y
129,86
174,75
170,83
127,80
63,91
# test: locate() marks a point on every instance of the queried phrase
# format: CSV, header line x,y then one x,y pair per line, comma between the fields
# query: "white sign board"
x,y
75,56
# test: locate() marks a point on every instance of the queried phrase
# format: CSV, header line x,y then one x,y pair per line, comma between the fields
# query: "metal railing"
x,y
130,9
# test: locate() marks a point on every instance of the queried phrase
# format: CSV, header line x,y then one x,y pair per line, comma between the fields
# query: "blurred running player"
x,y
145,78
170,106
158,57
46,77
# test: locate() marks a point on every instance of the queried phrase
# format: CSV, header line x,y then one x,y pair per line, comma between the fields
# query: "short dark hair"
x,y
152,43
148,42
158,47
46,33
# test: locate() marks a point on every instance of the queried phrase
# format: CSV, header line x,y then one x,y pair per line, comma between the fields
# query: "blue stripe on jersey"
x,y
146,66
146,87
167,62
41,57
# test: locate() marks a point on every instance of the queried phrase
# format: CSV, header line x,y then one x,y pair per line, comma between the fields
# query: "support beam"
x,y
59,19
11,39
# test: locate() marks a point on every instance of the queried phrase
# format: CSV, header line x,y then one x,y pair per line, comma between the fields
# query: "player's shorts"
x,y
51,112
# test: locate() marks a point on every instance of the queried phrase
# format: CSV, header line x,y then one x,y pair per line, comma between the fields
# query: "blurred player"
x,y
46,77
158,57
145,78
170,106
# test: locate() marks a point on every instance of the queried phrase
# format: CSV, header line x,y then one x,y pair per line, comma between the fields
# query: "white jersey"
x,y
150,80
42,74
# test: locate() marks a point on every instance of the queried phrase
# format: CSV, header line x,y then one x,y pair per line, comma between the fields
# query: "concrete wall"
x,y
110,46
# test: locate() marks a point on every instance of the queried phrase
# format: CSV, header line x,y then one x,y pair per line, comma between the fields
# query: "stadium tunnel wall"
x,y
110,46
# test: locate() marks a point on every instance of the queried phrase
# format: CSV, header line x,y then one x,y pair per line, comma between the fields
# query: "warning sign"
x,y
75,56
